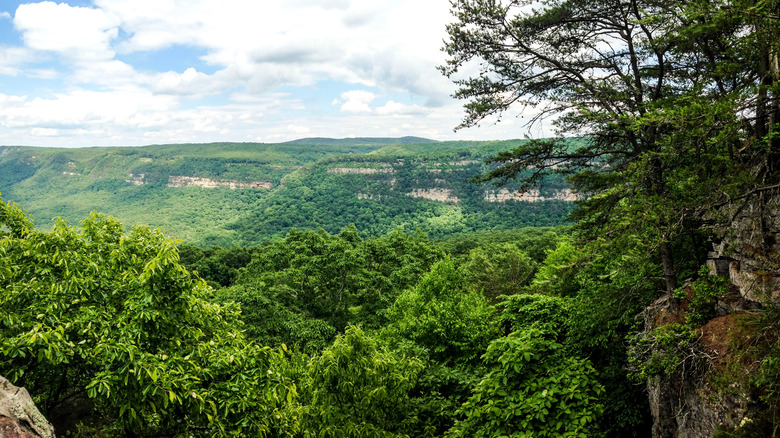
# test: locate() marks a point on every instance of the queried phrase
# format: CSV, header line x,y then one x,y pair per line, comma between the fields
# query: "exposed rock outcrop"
x,y
369,196
435,194
360,170
691,403
533,195
136,179
19,418
187,181
746,251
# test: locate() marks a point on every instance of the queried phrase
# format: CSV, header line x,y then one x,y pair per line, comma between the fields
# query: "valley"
x,y
241,194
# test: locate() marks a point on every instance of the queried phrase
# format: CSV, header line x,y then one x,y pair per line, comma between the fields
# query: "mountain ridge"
x,y
231,194
361,140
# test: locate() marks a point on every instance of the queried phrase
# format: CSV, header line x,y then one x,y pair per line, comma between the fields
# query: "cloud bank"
x,y
131,72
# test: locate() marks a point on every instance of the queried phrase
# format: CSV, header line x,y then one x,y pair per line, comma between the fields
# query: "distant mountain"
x,y
244,193
360,141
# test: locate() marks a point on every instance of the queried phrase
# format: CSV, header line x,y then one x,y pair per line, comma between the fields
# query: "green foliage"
x,y
114,324
556,276
704,291
269,322
307,191
497,270
453,323
605,288
218,266
440,391
548,314
359,389
765,350
668,350
378,193
304,288
532,389
534,241
14,171
669,138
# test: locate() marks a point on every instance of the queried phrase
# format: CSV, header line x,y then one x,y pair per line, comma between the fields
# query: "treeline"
x,y
681,105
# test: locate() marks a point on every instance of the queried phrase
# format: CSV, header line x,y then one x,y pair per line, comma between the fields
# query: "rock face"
x,y
136,179
206,183
692,405
504,195
435,194
19,418
360,170
747,252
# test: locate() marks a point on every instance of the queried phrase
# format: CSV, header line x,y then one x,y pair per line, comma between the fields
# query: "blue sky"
x,y
135,72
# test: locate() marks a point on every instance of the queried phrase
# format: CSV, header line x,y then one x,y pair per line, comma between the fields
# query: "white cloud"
x,y
112,73
130,108
12,59
44,132
75,32
357,101
260,45
298,130
6,100
43,73
276,63
5,15
400,109
276,42
187,83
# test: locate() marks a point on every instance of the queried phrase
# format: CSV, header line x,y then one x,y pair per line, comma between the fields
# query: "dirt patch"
x,y
666,310
726,338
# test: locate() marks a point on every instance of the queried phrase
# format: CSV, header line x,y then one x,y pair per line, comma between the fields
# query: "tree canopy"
x,y
677,102
108,329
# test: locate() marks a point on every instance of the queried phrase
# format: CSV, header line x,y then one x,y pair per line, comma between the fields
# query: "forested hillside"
x,y
316,334
654,312
243,194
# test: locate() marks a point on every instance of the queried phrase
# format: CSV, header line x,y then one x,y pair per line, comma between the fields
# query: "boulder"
x,y
19,418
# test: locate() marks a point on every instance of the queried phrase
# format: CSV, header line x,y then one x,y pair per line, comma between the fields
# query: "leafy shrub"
x,y
453,323
498,269
706,290
667,350
521,312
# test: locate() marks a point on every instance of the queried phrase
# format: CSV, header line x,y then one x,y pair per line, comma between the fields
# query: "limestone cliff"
x,y
188,181
748,251
713,392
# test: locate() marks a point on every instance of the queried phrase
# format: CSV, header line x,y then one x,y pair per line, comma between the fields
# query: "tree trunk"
x,y
668,265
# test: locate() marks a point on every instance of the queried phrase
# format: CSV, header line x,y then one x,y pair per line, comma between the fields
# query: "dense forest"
x,y
242,194
652,312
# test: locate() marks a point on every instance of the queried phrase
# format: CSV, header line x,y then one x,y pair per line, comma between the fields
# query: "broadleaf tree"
x,y
113,336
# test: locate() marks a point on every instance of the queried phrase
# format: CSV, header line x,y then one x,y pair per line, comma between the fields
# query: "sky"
x,y
138,72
